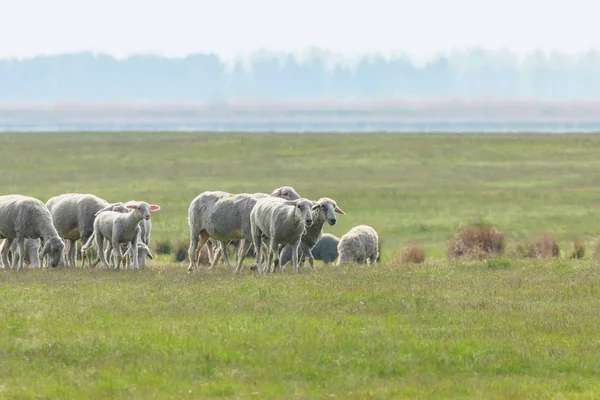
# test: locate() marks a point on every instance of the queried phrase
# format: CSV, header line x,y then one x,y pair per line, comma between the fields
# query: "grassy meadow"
x,y
506,328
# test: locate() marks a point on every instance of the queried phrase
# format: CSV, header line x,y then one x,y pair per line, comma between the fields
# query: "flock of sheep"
x,y
282,225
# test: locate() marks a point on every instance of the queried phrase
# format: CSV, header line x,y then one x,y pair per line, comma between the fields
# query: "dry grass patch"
x,y
544,247
476,241
412,255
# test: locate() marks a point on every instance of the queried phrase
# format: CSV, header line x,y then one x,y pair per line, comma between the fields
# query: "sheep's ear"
x,y
315,206
154,207
338,210
291,202
130,206
276,192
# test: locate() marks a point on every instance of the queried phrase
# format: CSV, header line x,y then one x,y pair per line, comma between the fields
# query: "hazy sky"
x,y
230,27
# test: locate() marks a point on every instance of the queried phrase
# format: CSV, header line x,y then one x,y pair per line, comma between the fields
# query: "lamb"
x,y
325,249
224,216
119,228
280,222
143,238
73,217
32,247
24,217
322,210
359,245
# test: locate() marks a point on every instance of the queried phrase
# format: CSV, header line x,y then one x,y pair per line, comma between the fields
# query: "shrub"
x,y
180,249
544,247
578,248
596,253
162,247
413,255
476,241
547,246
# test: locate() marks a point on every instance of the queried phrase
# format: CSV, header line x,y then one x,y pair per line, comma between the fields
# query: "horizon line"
x,y
311,51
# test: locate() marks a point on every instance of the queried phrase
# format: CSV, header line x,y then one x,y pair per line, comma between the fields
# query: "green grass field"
x,y
478,329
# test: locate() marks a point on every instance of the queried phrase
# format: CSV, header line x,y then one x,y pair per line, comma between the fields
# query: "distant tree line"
x,y
202,77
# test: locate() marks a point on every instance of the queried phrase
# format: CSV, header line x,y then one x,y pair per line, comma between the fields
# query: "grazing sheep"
x,y
322,210
119,228
280,222
359,245
325,250
24,217
224,216
32,247
73,217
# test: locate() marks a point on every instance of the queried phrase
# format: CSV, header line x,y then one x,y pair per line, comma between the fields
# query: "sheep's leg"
x,y
5,253
86,254
242,255
100,244
192,252
257,239
34,259
116,249
134,253
295,257
72,253
225,251
20,252
236,250
216,257
203,239
307,253
273,247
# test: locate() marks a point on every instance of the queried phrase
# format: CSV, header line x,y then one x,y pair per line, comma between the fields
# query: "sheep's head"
x,y
302,210
142,209
327,208
143,252
53,250
286,193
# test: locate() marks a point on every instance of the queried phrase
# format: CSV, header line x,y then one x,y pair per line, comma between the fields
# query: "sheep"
x,y
359,245
23,217
118,228
322,210
32,247
143,238
73,217
325,250
224,216
280,222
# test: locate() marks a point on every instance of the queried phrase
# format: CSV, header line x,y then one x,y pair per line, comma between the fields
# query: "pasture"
x,y
470,329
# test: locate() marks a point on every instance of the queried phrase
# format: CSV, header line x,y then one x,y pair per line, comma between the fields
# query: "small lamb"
x,y
359,245
119,228
281,222
24,217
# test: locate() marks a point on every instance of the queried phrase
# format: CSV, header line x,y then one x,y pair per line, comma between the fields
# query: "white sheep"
x,y
73,217
23,217
323,211
280,222
119,228
32,247
359,245
224,216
